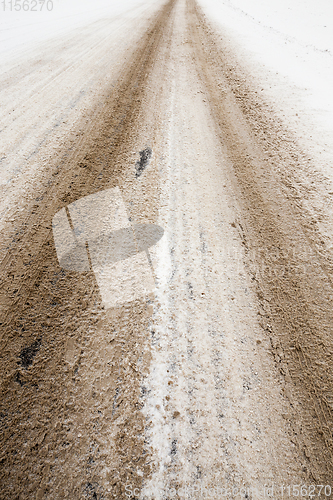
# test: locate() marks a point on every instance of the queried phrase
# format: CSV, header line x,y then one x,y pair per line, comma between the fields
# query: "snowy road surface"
x,y
212,121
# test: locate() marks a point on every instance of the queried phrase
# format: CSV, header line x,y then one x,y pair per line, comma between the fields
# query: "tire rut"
x,y
292,279
63,358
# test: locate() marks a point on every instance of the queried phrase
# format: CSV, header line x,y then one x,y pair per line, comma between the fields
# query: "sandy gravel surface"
x,y
222,377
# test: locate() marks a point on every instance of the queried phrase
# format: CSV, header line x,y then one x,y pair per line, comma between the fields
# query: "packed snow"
x,y
287,45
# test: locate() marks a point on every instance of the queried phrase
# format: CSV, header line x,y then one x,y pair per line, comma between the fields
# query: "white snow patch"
x,y
288,46
20,31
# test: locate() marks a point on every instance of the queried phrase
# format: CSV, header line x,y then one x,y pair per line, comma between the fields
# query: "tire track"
x,y
61,436
293,281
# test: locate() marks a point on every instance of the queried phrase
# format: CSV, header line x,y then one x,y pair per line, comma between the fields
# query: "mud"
x,y
291,271
70,372
145,156
77,406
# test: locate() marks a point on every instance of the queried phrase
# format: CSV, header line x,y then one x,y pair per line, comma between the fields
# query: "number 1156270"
x,y
27,5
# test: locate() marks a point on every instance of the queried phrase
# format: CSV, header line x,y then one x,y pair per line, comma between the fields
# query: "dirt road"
x,y
223,376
